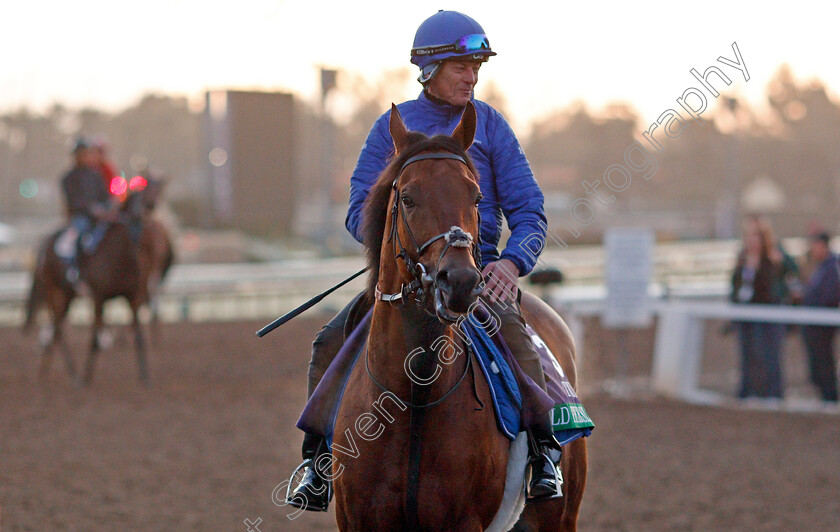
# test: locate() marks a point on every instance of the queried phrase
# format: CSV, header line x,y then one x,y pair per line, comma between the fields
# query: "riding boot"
x,y
545,480
314,491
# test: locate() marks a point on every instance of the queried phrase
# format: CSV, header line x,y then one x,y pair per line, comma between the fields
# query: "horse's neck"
x,y
407,348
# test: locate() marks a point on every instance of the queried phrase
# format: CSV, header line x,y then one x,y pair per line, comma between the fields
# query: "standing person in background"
x,y
756,279
806,261
822,290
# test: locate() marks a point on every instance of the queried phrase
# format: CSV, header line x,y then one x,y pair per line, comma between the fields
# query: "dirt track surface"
x,y
204,448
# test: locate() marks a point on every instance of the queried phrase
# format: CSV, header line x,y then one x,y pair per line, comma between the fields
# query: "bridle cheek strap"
x,y
455,237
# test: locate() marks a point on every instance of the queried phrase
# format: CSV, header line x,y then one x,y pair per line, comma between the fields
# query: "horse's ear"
x,y
398,131
465,131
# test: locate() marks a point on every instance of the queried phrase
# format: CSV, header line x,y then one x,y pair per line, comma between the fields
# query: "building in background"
x,y
250,154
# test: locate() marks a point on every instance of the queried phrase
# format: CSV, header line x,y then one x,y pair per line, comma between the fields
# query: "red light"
x,y
118,186
137,183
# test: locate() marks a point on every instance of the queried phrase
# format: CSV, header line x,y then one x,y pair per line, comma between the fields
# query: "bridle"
x,y
420,279
455,238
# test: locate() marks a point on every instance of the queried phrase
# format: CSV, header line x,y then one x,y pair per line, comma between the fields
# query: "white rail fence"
x,y
679,340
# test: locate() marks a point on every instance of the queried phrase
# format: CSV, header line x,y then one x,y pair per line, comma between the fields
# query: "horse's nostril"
x,y
442,279
461,281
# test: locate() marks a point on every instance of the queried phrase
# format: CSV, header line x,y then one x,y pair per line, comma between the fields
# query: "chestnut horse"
x,y
121,266
416,443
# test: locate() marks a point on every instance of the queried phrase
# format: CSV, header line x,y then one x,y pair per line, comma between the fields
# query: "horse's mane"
x,y
377,207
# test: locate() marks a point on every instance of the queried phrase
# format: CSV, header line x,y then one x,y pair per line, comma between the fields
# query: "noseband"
x,y
455,238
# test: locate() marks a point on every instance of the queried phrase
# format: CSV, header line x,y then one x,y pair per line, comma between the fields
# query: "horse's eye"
x,y
408,202
478,199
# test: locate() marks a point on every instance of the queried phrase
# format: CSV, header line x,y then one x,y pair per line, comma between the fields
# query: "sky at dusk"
x,y
107,54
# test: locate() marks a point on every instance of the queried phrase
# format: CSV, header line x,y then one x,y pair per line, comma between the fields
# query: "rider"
x,y
88,202
450,48
105,165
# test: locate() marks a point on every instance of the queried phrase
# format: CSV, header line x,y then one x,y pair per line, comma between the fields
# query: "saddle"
x,y
519,403
73,239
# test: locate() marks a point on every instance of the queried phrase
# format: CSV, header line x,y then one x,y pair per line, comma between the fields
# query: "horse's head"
x,y
152,193
423,215
143,196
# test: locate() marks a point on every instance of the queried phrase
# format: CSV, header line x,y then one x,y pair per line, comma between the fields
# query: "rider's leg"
x,y
81,224
545,477
521,345
313,491
325,347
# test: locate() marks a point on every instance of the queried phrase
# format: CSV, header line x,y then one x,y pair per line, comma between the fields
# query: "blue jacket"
x,y
823,289
507,183
83,189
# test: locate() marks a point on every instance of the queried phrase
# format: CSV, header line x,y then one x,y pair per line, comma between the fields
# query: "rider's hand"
x,y
500,279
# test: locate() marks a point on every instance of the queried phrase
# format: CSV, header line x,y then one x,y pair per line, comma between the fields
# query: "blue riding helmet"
x,y
446,35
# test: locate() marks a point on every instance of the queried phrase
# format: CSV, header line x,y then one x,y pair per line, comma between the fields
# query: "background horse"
x,y
416,444
132,253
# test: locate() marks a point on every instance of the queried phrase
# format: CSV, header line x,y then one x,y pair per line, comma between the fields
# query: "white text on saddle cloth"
x,y
563,382
538,342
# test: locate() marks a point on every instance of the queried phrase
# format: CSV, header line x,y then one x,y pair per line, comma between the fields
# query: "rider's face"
x,y
454,81
86,157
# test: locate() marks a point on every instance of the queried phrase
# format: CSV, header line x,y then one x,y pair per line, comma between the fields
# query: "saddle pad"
x,y
504,391
569,419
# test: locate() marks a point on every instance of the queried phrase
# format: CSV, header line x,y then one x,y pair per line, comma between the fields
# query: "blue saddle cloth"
x,y
515,410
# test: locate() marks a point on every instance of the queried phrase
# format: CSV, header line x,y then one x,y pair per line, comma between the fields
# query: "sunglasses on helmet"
x,y
468,43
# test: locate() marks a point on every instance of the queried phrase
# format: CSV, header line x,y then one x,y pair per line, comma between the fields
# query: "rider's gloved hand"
x,y
500,279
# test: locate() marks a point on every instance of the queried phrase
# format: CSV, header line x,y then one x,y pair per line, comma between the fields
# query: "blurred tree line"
x,y
780,159
159,134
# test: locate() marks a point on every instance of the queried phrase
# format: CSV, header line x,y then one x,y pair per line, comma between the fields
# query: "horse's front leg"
x,y
139,345
48,344
98,309
58,339
153,288
58,308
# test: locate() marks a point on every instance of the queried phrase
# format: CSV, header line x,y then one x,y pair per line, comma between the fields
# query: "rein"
x,y
426,405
